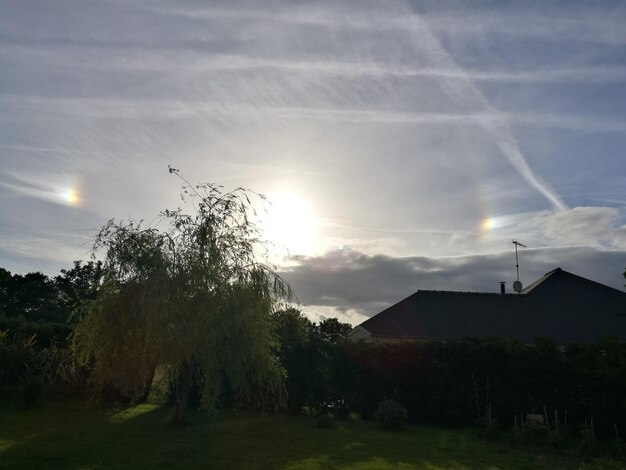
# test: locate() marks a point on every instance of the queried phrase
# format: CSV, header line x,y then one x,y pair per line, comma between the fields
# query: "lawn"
x,y
66,436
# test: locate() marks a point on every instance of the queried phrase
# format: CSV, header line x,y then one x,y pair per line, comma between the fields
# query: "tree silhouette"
x,y
191,301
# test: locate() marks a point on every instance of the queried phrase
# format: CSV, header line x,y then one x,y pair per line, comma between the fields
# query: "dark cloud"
x,y
350,280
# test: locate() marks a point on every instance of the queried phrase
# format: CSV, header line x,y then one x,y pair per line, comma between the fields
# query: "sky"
x,y
403,144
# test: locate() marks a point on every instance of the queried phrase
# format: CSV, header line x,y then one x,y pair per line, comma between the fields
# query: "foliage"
x,y
461,382
79,285
294,337
332,330
31,296
34,304
62,377
44,332
309,353
190,299
20,365
391,414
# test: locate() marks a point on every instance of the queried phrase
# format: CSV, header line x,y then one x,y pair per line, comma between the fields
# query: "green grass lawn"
x,y
65,436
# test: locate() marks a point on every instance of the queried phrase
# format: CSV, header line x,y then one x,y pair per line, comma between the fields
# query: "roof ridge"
x,y
555,270
439,291
539,281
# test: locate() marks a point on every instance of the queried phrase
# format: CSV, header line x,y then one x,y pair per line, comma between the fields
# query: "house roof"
x,y
560,305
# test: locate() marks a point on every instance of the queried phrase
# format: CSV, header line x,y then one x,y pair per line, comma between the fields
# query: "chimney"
x,y
502,287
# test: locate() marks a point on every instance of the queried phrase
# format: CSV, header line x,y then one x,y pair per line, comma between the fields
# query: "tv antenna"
x,y
517,285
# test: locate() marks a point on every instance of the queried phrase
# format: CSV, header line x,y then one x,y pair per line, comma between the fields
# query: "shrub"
x,y
20,363
391,415
61,376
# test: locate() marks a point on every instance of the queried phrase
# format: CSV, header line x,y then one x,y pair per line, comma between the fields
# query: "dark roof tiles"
x,y
559,305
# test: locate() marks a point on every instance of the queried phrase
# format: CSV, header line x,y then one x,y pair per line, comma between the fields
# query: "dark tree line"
x,y
36,304
308,352
461,382
39,313
454,382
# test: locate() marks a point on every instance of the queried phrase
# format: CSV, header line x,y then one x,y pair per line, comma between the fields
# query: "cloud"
x,y
595,228
465,92
558,26
583,124
458,82
363,285
591,27
318,313
63,190
584,226
495,123
189,61
58,249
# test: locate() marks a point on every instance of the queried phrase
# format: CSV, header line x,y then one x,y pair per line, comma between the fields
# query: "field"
x,y
64,436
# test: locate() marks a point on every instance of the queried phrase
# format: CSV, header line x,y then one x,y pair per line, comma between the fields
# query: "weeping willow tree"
x,y
191,298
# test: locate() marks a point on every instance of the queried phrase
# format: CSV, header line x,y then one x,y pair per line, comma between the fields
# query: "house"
x,y
559,305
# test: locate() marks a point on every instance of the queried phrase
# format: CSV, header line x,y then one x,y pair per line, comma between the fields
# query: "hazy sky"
x,y
404,144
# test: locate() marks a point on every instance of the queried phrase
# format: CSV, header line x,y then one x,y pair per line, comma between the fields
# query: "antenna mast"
x,y
516,243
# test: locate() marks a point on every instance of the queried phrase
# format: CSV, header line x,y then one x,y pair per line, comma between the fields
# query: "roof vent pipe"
x,y
502,287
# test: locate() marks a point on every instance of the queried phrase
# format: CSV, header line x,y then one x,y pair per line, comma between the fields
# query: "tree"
x,y
310,354
332,330
292,327
299,356
32,296
192,300
78,285
5,288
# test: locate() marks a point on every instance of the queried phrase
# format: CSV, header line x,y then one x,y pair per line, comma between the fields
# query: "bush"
x,y
20,363
61,376
391,415
45,332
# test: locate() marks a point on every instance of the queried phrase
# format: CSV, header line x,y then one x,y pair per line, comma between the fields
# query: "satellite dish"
x,y
517,286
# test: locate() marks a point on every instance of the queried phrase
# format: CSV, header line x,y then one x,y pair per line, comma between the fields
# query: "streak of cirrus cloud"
x,y
455,81
581,26
464,91
136,59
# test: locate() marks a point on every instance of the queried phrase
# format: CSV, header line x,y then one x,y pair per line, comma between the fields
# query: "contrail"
x,y
500,130
465,92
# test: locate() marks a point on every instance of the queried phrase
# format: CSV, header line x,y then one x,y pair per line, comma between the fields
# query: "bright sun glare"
x,y
289,223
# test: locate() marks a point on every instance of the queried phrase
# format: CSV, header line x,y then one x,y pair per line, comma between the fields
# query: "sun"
x,y
289,223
